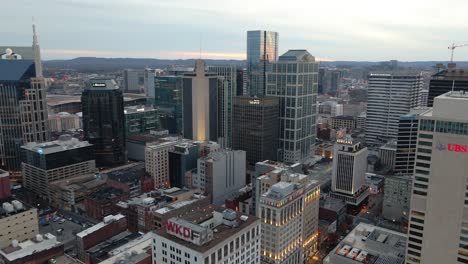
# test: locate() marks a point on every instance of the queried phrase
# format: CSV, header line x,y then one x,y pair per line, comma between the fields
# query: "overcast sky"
x,y
372,30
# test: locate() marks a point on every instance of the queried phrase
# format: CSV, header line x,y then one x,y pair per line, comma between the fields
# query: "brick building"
x,y
102,203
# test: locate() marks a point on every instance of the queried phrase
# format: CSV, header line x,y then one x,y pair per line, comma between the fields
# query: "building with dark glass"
x,y
262,50
255,127
446,80
182,160
201,104
104,121
45,163
168,101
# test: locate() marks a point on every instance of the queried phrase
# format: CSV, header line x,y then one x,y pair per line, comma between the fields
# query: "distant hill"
x,y
110,64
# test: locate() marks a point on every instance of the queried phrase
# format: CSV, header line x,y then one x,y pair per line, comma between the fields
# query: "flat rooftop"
x,y
30,247
64,143
112,218
222,233
369,244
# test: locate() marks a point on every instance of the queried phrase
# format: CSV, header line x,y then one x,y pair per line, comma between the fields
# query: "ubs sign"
x,y
452,147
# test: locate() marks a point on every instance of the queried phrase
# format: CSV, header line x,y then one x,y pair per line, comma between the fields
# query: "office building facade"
x,y
407,141
294,81
214,236
289,211
23,107
168,100
262,50
445,81
51,161
140,119
349,171
389,97
221,174
182,160
255,127
157,161
104,121
200,104
133,80
438,219
228,77
397,198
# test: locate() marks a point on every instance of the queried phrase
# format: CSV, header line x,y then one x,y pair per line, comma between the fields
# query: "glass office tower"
x,y
262,50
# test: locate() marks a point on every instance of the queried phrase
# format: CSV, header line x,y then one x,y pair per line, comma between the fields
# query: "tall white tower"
x,y
349,171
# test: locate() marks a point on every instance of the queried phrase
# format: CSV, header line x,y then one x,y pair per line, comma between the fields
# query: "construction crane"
x,y
453,47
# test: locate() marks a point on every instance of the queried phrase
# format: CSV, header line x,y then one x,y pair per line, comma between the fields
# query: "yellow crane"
x,y
453,47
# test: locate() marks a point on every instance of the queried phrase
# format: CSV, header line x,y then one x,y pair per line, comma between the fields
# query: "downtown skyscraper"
x,y
23,107
104,121
293,79
438,220
390,96
262,50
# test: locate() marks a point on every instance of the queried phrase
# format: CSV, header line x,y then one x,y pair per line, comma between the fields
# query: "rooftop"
x,y
14,70
106,194
100,251
107,220
30,247
127,173
222,228
102,84
369,244
297,56
332,204
64,143
131,251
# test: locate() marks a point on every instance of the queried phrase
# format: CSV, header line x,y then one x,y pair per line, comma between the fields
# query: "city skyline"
x,y
178,29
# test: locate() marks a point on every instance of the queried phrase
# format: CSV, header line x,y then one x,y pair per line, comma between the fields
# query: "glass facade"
x,y
262,50
57,159
294,79
168,101
104,121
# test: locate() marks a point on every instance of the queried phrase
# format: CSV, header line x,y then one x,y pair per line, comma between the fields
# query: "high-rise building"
x,y
208,235
104,121
23,107
182,160
168,100
349,171
294,81
148,81
228,75
221,174
289,210
157,161
389,97
241,82
46,162
134,81
406,142
438,216
447,80
262,50
255,127
200,104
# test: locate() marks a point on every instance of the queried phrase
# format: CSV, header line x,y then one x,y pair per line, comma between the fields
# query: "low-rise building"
x,y
18,222
339,122
397,198
131,179
219,236
387,154
332,210
109,227
137,251
103,202
40,249
69,194
369,244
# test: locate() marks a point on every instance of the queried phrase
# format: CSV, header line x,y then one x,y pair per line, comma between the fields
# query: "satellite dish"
x,y
8,51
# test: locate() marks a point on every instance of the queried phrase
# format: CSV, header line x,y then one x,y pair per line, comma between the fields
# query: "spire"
x,y
37,52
